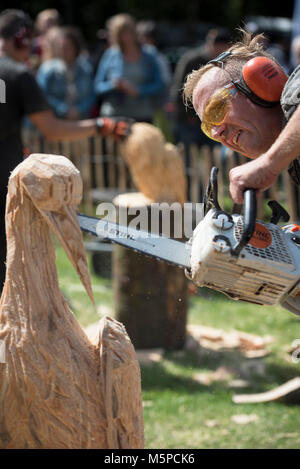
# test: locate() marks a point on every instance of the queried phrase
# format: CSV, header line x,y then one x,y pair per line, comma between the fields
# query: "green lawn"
x,y
180,412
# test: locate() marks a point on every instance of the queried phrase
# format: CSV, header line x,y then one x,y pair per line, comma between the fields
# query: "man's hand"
x,y
256,174
115,128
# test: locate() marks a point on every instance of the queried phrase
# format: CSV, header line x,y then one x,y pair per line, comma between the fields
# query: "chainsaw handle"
x,y
250,207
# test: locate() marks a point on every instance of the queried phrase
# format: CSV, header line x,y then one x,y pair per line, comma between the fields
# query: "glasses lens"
x,y
216,110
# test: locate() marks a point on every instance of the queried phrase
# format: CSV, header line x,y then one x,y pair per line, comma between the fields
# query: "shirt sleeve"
x,y
31,96
290,97
102,83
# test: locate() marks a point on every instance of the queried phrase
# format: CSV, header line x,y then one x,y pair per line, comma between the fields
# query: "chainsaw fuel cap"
x,y
222,220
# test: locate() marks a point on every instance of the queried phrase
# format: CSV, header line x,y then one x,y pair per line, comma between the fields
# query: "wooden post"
x,y
151,297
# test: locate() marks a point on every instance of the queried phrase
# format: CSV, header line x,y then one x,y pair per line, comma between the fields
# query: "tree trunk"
x,y
151,297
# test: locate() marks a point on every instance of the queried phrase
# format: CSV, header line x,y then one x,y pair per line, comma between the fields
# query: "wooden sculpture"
x,y
58,390
156,166
150,295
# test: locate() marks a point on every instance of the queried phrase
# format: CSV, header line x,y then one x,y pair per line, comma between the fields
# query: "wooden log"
x,y
57,389
151,297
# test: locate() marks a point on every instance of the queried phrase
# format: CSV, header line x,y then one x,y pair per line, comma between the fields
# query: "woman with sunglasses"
x,y
245,101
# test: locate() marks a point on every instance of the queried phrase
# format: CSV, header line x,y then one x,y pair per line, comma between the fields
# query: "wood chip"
x,y
149,356
244,419
249,345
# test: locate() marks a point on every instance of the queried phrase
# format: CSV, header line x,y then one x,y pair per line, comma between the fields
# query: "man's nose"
x,y
218,131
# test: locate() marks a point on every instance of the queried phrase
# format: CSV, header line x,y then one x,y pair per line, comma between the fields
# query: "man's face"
x,y
246,128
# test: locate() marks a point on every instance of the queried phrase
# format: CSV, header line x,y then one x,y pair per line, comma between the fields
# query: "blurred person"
x,y
67,80
147,33
186,123
101,46
128,76
23,97
50,43
274,42
45,20
295,49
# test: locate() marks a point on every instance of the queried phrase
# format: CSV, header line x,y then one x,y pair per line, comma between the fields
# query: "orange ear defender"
x,y
262,79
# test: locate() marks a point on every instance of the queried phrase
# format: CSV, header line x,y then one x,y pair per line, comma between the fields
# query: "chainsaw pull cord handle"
x,y
250,207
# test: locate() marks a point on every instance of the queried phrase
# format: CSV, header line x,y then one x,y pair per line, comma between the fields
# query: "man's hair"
x,y
248,47
12,20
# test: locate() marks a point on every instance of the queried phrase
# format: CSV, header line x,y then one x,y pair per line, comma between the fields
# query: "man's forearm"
x,y
56,129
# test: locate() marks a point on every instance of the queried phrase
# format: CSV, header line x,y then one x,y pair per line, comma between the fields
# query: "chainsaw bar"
x,y
160,247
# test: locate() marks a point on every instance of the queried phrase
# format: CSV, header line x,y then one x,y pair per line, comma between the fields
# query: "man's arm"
x,y
261,173
55,129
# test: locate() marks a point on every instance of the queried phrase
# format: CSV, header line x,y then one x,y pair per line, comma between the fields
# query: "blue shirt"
x,y
67,87
144,75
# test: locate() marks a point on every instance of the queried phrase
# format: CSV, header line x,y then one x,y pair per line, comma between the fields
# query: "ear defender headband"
x,y
262,79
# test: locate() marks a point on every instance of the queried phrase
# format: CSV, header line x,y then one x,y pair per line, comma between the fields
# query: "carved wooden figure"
x,y
156,166
57,389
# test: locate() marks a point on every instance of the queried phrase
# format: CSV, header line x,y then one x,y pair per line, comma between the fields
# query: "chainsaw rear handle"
x,y
250,208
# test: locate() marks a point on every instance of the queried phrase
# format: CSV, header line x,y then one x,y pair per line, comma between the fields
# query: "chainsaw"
x,y
238,255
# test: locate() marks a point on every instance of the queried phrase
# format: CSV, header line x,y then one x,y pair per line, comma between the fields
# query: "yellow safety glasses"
x,y
217,107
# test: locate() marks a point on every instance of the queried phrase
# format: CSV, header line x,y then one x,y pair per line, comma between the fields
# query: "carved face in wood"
x,y
54,186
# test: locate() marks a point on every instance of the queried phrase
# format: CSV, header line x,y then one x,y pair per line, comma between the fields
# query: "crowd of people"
x,y
129,78
69,92
128,75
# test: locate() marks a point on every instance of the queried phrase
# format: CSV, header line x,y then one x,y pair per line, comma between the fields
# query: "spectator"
x,y
186,121
45,20
23,97
128,76
147,33
67,80
101,46
295,46
50,43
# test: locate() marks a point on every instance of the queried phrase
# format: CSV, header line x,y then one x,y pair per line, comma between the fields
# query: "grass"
x,y
180,412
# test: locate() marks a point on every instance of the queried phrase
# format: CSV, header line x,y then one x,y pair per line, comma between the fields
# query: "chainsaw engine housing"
x,y
264,272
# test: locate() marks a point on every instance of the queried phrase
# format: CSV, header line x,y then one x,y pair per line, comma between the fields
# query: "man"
x,y
231,114
23,97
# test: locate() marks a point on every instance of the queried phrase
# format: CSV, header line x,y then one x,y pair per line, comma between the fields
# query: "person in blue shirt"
x,y
67,80
128,75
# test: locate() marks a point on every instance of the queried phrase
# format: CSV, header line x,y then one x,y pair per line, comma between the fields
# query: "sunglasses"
x,y
217,108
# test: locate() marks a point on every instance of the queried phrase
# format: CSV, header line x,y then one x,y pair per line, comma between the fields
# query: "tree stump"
x,y
151,297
